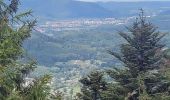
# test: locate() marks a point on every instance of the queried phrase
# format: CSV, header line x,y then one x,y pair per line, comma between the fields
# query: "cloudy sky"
x,y
122,0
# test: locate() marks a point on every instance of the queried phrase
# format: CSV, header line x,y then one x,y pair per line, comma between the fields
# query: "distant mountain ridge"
x,y
70,9
65,9
126,9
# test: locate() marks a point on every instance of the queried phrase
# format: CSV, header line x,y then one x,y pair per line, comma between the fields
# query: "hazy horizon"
x,y
120,0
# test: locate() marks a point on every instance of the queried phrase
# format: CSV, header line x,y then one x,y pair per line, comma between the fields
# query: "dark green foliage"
x,y
113,92
124,78
39,90
141,52
14,29
142,59
11,38
12,72
93,85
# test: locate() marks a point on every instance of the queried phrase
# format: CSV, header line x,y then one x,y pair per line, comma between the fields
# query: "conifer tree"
x,y
93,85
142,60
14,29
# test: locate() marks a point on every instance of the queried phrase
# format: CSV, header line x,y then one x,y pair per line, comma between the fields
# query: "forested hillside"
x,y
84,59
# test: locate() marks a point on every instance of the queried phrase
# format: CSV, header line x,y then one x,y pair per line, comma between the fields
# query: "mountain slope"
x,y
126,9
64,9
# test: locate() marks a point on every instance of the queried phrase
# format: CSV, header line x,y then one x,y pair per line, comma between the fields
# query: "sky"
x,y
121,0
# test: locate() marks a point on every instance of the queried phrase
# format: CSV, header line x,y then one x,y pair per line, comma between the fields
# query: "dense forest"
x,y
144,75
